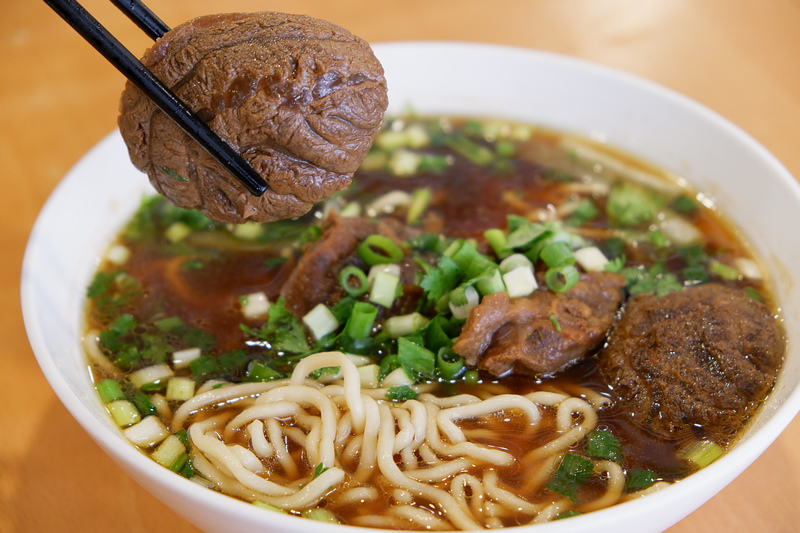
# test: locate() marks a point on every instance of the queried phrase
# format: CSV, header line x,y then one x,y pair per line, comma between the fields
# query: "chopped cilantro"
x,y
571,474
601,443
640,479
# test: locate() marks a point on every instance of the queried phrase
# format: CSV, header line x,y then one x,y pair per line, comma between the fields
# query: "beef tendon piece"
x,y
300,99
543,333
695,360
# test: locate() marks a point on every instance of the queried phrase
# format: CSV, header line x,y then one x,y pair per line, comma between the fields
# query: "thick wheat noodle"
x,y
228,394
655,487
505,497
258,441
92,349
223,483
328,416
395,476
261,411
352,381
615,484
352,449
472,503
553,510
357,495
571,434
311,493
546,397
368,458
446,417
216,449
542,474
343,430
483,454
405,435
419,517
428,455
439,472
275,437
448,401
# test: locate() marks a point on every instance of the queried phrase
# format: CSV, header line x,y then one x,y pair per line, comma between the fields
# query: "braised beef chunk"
x,y
544,332
694,359
315,279
301,99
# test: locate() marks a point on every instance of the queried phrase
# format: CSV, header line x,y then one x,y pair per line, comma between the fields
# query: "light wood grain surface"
x,y
58,98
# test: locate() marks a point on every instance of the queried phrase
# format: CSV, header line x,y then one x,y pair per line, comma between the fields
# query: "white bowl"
x,y
749,184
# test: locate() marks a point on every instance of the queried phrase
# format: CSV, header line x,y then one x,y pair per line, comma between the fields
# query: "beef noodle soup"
x,y
495,325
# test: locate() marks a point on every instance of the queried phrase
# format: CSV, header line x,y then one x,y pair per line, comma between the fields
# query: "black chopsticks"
x,y
105,43
141,15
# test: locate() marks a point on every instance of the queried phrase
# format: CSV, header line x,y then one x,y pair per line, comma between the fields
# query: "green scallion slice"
x,y
377,249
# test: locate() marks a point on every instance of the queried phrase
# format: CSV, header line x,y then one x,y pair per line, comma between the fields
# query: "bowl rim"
x,y
722,471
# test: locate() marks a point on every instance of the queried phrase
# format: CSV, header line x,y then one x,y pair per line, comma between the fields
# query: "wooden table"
x,y
58,97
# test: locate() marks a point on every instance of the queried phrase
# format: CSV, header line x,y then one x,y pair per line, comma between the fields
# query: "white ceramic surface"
x,y
102,190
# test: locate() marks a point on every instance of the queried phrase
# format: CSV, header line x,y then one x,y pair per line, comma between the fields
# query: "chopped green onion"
x,y
450,364
177,231
520,282
384,289
416,360
555,322
321,515
377,249
109,390
182,358
255,305
147,433
180,389
353,280
561,279
726,272
320,321
396,378
123,412
701,453
591,259
514,261
248,231
154,375
404,162
683,204
170,452
420,198
463,300
557,254
476,153
369,375
497,240
402,325
268,507
359,325
491,282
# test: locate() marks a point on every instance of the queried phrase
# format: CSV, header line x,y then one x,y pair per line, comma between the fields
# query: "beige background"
x,y
58,97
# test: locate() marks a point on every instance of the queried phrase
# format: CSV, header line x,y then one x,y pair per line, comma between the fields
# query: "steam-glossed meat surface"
x,y
694,358
521,335
300,99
